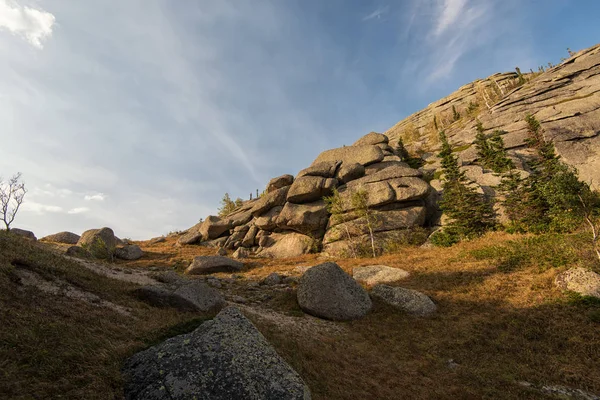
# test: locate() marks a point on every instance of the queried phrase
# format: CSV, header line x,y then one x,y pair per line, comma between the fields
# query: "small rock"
x,y
580,280
273,279
214,282
131,252
241,253
210,264
411,301
157,240
374,274
169,277
238,299
221,252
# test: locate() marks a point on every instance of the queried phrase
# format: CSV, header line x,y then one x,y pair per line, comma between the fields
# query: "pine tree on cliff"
x,y
470,213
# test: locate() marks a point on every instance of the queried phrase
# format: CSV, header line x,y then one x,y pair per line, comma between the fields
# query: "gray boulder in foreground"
x,y
225,358
210,264
411,301
326,291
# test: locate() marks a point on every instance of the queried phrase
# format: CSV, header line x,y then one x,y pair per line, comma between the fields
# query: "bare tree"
x,y
592,220
12,193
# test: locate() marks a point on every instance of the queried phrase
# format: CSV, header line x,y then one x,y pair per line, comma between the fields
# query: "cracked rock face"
x,y
225,358
565,99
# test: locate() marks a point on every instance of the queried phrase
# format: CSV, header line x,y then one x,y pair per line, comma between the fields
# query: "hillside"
x,y
565,99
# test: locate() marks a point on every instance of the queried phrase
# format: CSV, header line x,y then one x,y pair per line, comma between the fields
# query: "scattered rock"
x,y
157,240
62,237
580,280
226,358
221,252
79,252
272,279
214,282
23,233
240,253
210,264
101,243
130,252
326,291
375,274
170,277
192,296
409,300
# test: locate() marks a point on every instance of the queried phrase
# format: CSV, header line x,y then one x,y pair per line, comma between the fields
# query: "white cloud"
x,y
78,210
95,197
450,12
32,24
39,208
377,13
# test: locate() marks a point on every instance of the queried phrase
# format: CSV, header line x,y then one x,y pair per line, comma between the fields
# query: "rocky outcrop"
x,y
326,291
565,99
210,264
101,243
225,358
293,210
62,237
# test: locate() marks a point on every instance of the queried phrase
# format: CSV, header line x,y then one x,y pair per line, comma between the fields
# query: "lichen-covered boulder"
x,y
580,280
101,243
62,237
326,291
210,264
223,359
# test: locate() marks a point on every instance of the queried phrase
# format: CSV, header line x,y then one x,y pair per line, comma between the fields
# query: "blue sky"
x,y
140,114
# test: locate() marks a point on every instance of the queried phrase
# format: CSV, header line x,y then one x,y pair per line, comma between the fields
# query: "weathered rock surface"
x,y
210,264
564,99
213,227
23,233
304,218
326,291
130,252
62,237
226,358
310,188
411,301
287,245
376,274
192,235
325,169
580,280
364,155
279,182
77,251
269,200
268,221
350,171
371,138
101,243
182,295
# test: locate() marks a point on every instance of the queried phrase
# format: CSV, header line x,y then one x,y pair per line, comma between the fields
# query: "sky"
x,y
140,114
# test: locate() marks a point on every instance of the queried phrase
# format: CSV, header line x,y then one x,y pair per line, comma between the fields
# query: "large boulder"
x,y
382,192
23,233
579,280
309,218
101,243
325,169
411,301
268,221
372,138
130,252
213,227
210,264
192,235
62,237
225,358
375,274
364,155
350,171
288,245
279,182
310,188
182,295
269,200
326,291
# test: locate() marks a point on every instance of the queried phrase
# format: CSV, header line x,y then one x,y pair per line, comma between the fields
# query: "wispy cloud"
x,y
95,197
78,210
39,208
449,15
377,13
32,24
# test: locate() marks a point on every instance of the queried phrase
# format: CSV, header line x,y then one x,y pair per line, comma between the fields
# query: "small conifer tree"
x,y
491,151
227,205
455,114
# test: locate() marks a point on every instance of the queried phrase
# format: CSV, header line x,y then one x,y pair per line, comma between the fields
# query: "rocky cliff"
x,y
565,99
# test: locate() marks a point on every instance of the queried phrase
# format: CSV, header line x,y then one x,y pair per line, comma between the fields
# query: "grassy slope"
x,y
500,318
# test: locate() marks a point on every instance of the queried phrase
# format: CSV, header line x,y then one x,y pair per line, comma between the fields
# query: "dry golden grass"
x,y
500,319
